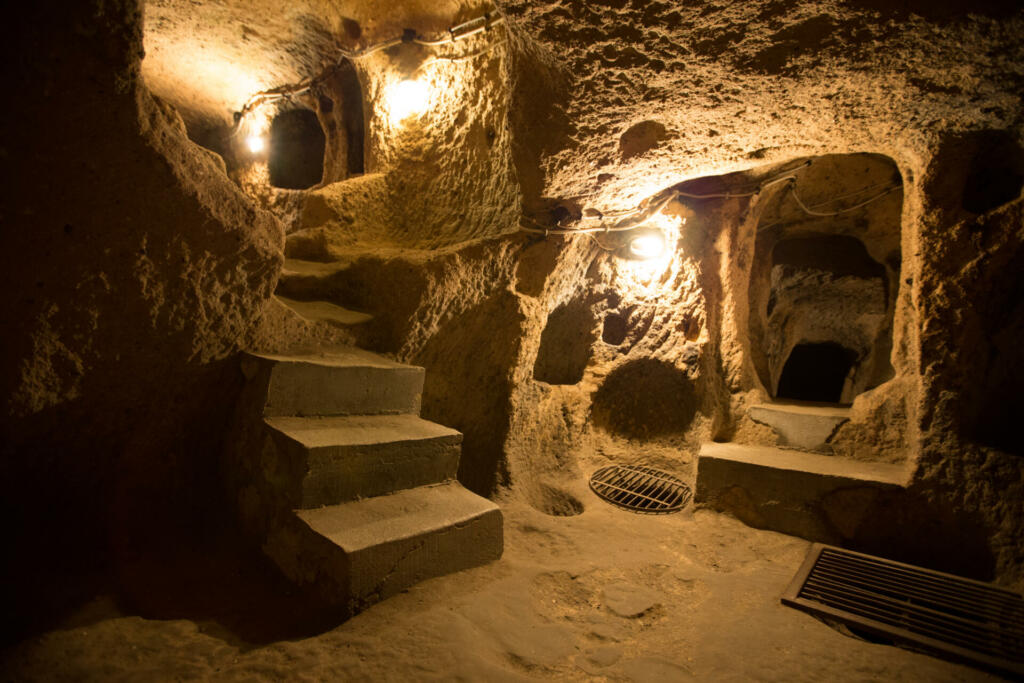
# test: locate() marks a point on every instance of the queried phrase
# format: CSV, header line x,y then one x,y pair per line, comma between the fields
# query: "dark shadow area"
x,y
230,589
1000,413
996,173
815,372
554,501
565,344
645,398
339,105
615,328
929,532
296,158
472,394
352,114
208,576
938,10
840,255
640,139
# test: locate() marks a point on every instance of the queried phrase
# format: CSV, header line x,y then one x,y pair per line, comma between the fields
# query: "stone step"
x,y
802,425
304,280
340,382
297,268
817,497
361,552
330,460
325,312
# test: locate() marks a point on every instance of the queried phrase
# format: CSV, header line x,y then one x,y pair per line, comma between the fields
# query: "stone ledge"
x,y
817,497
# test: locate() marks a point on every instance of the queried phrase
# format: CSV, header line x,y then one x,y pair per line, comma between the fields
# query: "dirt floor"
x,y
604,595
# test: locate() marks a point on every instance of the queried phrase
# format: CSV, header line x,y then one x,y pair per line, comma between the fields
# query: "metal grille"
x,y
641,489
969,621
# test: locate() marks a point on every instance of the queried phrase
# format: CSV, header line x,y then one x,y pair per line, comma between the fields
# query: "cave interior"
x,y
319,319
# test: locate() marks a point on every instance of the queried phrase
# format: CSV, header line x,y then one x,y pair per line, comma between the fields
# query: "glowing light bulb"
x,y
647,245
406,98
255,143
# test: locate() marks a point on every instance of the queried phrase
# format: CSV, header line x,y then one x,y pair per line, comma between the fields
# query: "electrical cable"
x,y
455,33
537,228
642,207
575,231
810,211
461,58
771,181
600,246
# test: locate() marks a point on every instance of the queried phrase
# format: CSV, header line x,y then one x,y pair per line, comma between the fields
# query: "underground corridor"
x,y
513,340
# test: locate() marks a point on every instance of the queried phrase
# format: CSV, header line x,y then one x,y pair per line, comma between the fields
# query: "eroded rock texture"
x,y
135,270
137,263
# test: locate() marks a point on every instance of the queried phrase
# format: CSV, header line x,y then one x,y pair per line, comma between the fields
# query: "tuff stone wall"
x,y
136,269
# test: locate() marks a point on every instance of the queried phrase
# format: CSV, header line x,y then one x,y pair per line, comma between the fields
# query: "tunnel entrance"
x,y
339,105
816,372
296,158
824,280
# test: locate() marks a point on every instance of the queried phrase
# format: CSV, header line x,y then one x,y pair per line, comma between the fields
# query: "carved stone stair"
x,y
306,287
342,484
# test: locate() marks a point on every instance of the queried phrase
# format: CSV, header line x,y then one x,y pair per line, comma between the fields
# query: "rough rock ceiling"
x,y
728,85
642,95
207,57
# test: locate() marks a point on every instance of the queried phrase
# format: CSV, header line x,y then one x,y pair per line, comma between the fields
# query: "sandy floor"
x,y
606,595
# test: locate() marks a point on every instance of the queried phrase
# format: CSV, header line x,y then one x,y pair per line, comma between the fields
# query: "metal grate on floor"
x,y
640,489
968,621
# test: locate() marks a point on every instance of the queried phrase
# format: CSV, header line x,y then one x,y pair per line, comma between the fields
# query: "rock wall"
x,y
656,93
134,269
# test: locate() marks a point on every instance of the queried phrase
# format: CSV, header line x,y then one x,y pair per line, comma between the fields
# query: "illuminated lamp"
x,y
646,244
405,99
255,143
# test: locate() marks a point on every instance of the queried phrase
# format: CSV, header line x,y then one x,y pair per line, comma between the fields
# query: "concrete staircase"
x,y
349,492
802,489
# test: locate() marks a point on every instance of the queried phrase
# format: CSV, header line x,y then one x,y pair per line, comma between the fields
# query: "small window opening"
x,y
296,158
816,372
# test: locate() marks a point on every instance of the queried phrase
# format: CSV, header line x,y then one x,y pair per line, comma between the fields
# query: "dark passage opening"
x,y
815,372
352,105
996,174
565,344
296,159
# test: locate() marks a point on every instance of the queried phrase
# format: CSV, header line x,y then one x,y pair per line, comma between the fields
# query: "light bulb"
x,y
647,245
255,143
406,98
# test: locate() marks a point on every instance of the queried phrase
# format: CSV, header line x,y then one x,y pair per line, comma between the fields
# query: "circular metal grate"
x,y
640,489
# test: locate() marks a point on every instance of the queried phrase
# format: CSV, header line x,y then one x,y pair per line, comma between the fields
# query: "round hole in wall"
x,y
645,398
296,158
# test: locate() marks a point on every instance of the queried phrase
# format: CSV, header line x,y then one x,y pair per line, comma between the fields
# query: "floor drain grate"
x,y
640,489
970,621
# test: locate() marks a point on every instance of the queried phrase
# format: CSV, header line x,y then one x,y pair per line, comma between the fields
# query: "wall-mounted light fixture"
x,y
406,98
645,244
409,96
256,143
